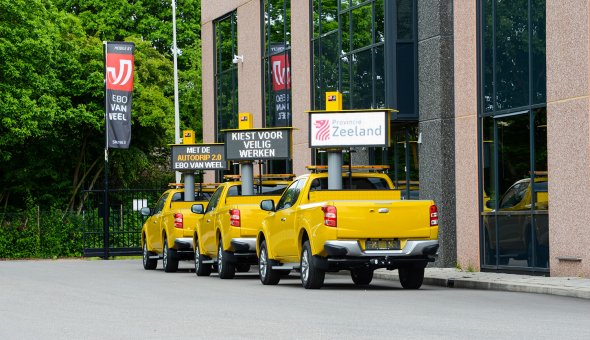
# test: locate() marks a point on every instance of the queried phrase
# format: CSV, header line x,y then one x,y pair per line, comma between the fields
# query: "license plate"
x,y
382,245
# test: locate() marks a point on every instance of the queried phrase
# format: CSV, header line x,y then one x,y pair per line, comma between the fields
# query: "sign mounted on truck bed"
x,y
198,157
349,128
258,144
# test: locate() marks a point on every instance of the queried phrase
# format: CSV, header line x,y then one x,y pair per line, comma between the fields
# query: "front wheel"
x,y
169,260
225,269
411,277
201,269
361,276
268,276
311,276
148,264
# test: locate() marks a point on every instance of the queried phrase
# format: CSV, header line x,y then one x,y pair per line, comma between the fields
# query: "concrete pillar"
x,y
437,119
568,135
466,141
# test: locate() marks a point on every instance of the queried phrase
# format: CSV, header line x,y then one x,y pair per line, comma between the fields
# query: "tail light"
x,y
330,216
234,217
178,221
433,215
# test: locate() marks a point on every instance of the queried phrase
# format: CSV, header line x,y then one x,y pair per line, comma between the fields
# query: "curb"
x,y
453,282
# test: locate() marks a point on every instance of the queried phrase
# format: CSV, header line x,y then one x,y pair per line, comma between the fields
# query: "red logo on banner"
x,y
120,72
281,72
323,132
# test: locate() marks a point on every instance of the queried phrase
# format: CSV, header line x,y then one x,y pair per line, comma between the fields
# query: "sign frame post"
x,y
248,145
335,131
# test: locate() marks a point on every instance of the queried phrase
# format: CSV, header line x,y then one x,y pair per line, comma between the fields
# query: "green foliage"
x,y
52,94
36,234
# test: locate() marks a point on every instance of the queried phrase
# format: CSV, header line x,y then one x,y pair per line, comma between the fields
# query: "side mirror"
x,y
198,209
267,205
145,211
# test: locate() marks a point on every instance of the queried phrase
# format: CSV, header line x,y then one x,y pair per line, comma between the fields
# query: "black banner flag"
x,y
119,93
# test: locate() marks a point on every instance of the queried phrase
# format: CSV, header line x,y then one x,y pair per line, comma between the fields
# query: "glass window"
x,y
226,75
405,19
160,204
276,26
513,134
290,196
358,68
259,189
277,62
512,54
214,200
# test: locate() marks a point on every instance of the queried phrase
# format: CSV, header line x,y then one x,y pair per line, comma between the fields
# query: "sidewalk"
x,y
454,278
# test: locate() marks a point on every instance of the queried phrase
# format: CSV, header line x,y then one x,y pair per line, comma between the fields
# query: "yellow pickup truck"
x,y
225,236
167,233
361,228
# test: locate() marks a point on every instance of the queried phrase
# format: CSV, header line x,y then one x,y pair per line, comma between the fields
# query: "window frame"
x,y
532,109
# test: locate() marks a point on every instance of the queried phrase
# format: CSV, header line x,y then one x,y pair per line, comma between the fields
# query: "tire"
x,y
169,260
225,269
201,269
361,276
242,267
148,264
311,276
267,275
411,277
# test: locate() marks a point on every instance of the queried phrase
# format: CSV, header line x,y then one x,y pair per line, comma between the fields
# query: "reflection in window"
x,y
403,159
276,62
513,121
226,75
519,37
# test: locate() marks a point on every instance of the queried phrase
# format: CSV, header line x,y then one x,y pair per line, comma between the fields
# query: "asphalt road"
x,y
84,299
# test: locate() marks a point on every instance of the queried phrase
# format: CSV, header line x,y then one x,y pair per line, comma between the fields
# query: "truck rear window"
x,y
355,183
203,196
259,189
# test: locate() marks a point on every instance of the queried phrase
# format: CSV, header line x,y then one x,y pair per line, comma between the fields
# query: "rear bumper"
x,y
244,250
353,248
183,243
244,244
348,254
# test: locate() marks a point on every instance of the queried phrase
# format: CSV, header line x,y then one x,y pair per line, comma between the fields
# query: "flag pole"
x,y
176,109
105,213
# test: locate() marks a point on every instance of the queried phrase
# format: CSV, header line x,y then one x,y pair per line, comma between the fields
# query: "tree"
x,y
52,93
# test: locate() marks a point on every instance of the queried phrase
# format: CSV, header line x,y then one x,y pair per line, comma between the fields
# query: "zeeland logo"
x,y
343,129
120,72
323,129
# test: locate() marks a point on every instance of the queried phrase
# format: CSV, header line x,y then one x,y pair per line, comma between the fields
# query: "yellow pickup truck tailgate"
x,y
383,219
251,215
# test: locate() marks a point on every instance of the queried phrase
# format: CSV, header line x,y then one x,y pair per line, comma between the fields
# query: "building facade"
x,y
492,100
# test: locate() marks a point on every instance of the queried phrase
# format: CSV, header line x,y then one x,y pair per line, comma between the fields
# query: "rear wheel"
x,y
225,269
361,276
311,276
201,269
411,277
148,264
268,276
170,261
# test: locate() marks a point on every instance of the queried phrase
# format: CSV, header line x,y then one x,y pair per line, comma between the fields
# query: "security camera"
x,y
237,58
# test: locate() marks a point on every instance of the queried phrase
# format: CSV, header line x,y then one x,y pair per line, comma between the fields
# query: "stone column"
x,y
437,119
466,165
568,135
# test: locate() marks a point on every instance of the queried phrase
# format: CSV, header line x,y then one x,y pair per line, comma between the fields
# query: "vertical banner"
x,y
281,84
119,92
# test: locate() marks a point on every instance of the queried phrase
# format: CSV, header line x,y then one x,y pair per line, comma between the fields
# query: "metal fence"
x,y
121,235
